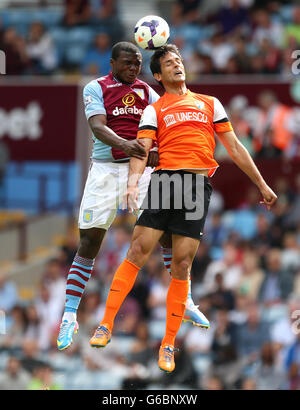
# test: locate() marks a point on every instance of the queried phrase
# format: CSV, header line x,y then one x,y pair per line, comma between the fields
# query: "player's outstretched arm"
x,y
136,169
240,155
103,133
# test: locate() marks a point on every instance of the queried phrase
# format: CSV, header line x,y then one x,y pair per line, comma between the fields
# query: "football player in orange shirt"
x,y
183,125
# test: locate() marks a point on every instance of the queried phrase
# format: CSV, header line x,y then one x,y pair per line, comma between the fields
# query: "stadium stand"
x,y
246,274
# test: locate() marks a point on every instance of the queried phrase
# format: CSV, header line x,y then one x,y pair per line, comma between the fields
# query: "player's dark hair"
x,y
160,52
123,46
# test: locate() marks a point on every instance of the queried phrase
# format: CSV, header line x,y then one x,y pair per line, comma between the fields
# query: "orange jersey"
x,y
183,127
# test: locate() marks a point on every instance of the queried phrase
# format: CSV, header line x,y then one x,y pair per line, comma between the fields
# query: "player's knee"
x,y
137,253
181,268
88,247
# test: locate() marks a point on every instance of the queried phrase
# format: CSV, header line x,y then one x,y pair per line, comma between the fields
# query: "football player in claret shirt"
x,y
113,106
183,124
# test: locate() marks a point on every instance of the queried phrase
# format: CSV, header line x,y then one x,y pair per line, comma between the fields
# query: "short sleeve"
x,y
153,96
220,119
93,99
148,119
219,111
148,123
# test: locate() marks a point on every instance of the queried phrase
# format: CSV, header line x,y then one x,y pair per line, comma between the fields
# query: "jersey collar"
x,y
120,82
188,92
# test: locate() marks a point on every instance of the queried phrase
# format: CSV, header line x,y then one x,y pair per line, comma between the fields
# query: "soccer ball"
x,y
151,32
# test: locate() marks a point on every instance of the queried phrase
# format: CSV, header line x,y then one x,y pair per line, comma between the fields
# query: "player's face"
x,y
172,69
126,67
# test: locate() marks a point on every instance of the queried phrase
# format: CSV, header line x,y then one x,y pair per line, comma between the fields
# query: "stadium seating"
x,y
241,221
71,43
21,19
23,185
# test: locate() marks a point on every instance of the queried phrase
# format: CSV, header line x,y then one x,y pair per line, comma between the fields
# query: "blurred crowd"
x,y
76,38
216,37
232,37
238,37
268,129
245,278
246,274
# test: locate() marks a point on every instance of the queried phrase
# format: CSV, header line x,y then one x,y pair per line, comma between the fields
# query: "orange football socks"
x,y
176,300
122,284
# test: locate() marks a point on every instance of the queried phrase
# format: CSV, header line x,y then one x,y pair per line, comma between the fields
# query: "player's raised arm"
x,y
103,133
137,166
240,155
146,134
136,169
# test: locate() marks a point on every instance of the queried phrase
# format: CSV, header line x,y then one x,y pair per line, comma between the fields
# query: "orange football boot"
x,y
101,336
166,358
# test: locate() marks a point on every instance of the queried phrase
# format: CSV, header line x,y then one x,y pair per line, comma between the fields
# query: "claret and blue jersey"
x,y
122,104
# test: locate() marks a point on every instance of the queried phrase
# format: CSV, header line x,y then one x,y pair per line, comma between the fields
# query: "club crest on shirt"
x,y
139,92
200,104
